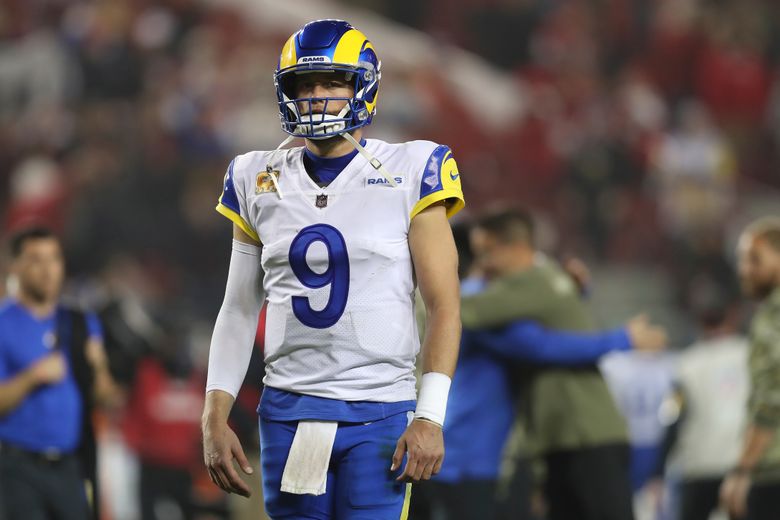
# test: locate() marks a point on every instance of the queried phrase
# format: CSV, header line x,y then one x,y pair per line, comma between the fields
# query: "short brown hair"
x,y
766,228
509,224
32,233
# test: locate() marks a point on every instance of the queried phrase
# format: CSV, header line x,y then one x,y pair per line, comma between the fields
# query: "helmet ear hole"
x,y
286,83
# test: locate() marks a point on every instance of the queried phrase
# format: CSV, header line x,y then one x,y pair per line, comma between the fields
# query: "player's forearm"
x,y
442,339
14,390
757,440
440,355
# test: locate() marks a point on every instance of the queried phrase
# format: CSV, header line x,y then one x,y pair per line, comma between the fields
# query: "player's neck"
x,y
334,147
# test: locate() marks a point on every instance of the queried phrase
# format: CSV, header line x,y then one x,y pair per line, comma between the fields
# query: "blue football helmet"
x,y
330,46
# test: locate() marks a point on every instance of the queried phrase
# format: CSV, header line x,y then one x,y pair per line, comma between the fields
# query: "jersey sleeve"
x,y
440,181
232,202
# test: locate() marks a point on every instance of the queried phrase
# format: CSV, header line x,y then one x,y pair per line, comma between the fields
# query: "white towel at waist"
x,y
306,470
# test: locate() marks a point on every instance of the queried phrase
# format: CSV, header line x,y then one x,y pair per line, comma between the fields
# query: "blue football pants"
x,y
360,484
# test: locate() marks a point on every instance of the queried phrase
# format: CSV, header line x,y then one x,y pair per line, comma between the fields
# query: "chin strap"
x,y
373,161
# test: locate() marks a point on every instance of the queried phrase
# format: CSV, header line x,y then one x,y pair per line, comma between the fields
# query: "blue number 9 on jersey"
x,y
336,275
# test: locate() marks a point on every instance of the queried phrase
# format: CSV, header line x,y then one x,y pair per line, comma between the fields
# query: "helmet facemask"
x,y
300,118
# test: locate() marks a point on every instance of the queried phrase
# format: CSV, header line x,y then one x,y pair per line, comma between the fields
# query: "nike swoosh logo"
x,y
454,177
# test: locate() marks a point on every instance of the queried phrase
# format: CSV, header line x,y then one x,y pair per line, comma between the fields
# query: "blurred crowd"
x,y
651,127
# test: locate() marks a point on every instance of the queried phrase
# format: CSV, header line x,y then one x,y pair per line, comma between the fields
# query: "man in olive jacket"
x,y
570,413
752,489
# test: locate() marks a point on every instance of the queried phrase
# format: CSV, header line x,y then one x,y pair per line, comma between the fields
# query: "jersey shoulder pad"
x,y
439,177
418,150
246,165
235,186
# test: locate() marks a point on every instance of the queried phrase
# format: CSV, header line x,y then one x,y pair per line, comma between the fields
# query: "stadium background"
x,y
643,134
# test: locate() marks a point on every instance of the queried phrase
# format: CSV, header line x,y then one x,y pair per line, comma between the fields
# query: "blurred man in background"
x,y
640,384
706,412
482,405
481,410
752,489
162,425
570,413
52,368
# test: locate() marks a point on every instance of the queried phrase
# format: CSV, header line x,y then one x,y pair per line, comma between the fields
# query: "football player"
x,y
348,226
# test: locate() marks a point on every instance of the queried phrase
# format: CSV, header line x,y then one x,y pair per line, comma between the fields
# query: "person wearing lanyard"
x,y
49,358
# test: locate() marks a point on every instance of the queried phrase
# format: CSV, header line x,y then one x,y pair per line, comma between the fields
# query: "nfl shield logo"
x,y
322,201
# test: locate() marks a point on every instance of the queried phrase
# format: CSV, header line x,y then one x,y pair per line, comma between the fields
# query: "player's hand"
x,y
733,494
423,442
645,336
49,369
579,272
654,491
220,448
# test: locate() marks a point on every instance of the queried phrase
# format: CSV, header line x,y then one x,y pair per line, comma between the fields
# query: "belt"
x,y
50,456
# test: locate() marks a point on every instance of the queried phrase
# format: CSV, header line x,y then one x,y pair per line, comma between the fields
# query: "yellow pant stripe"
x,y
407,500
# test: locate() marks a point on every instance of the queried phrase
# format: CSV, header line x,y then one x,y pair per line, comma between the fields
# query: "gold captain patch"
x,y
264,182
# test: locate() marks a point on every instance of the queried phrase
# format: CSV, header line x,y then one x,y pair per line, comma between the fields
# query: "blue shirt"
x,y
480,414
49,418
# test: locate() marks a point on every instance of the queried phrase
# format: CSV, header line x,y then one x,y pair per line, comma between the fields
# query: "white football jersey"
x,y
339,280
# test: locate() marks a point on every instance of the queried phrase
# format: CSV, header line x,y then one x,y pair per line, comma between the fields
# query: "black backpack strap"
x,y
72,336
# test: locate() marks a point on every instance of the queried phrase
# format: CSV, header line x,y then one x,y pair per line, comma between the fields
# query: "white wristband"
x,y
432,401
